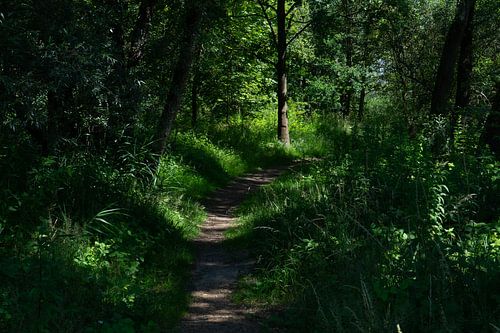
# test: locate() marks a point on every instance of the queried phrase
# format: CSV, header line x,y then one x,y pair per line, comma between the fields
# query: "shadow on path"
x,y
216,271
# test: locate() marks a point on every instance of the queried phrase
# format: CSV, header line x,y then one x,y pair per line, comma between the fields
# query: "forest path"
x,y
216,272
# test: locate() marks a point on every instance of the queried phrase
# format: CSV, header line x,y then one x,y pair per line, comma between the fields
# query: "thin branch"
x,y
264,11
405,69
291,8
244,16
268,5
298,21
298,33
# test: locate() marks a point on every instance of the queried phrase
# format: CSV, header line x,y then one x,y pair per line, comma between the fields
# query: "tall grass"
x,y
380,236
101,242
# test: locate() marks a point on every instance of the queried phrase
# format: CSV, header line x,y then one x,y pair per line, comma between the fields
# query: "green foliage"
x,y
75,263
215,163
247,143
100,243
378,234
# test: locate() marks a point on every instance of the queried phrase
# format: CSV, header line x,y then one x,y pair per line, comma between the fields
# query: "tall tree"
x,y
465,64
129,52
281,71
284,20
140,32
195,86
191,24
449,56
348,51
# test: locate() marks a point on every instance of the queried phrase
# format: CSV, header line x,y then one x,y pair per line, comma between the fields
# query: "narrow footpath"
x,y
216,272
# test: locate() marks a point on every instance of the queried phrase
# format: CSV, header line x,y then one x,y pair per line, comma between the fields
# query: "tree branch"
x,y
292,8
298,33
243,16
264,11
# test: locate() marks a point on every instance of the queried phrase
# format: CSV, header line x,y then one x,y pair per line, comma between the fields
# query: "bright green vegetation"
x,y
104,243
378,234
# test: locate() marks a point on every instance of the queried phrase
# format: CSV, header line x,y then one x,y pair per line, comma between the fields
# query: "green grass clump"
x,y
253,139
380,234
215,163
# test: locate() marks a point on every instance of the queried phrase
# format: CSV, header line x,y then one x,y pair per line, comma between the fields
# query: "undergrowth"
x,y
100,242
383,235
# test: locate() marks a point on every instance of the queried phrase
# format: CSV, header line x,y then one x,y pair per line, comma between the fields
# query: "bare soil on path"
x,y
216,271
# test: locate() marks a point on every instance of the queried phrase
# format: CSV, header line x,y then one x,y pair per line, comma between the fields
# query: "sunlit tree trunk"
x,y
283,132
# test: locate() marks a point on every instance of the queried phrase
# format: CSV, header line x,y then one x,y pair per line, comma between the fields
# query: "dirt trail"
x,y
216,271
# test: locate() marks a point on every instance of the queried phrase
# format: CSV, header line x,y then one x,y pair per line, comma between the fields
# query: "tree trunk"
x,y
53,111
283,132
449,57
58,125
140,33
195,84
180,75
362,95
129,54
345,100
348,93
346,97
194,102
465,63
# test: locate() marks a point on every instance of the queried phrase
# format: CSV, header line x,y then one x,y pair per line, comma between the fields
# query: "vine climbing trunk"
x,y
283,132
180,76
